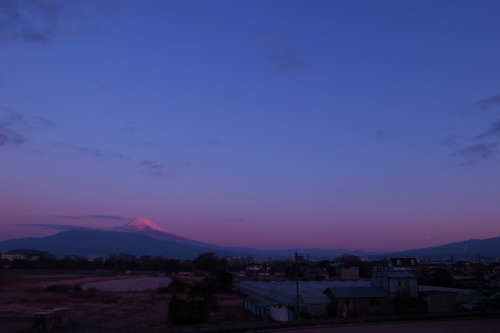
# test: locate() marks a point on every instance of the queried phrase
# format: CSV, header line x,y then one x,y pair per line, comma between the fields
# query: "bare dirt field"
x,y
132,284
94,310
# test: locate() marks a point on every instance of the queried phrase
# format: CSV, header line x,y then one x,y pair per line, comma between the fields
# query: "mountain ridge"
x,y
143,237
143,223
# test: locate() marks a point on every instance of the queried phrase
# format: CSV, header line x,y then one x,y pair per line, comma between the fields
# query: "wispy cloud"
x,y
13,116
40,121
130,131
55,226
9,136
286,58
453,140
492,131
488,102
73,217
480,150
37,21
134,135
13,123
483,150
90,217
29,20
153,168
96,152
282,54
149,167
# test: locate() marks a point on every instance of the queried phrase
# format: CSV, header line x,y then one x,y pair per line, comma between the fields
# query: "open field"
x,y
93,309
133,284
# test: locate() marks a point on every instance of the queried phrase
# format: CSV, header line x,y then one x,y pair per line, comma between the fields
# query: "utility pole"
x,y
297,310
452,273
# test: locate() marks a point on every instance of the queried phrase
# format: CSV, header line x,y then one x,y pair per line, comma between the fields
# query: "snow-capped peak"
x,y
145,224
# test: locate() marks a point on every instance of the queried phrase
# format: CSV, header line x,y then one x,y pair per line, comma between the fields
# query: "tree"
x,y
225,282
172,265
442,278
349,259
209,262
194,310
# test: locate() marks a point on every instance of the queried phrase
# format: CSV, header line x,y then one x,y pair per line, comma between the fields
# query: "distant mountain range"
x,y
143,237
469,249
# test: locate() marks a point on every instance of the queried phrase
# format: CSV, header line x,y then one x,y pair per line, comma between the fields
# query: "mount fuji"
x,y
143,223
143,237
138,237
146,227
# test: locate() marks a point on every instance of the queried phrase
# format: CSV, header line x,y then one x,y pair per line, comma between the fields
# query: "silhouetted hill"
x,y
101,243
31,252
469,249
147,242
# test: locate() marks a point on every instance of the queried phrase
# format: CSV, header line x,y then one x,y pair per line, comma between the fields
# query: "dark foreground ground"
x,y
456,326
99,302
132,303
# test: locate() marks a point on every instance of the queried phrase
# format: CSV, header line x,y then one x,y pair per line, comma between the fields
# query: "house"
x,y
461,295
266,309
12,257
348,273
398,264
492,276
493,280
312,299
466,282
438,301
256,269
358,301
315,273
396,283
403,264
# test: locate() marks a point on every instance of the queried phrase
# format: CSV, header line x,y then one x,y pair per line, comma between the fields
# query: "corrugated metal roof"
x,y
358,292
452,290
260,302
396,274
311,294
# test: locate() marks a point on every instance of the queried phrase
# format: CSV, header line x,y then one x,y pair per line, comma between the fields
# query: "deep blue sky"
x,y
368,125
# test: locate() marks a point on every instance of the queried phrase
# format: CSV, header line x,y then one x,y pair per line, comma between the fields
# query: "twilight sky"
x,y
370,125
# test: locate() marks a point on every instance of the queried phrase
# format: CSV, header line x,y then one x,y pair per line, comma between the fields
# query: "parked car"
x,y
474,305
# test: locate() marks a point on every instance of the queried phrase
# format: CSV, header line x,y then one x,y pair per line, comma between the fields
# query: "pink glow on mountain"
x,y
145,224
